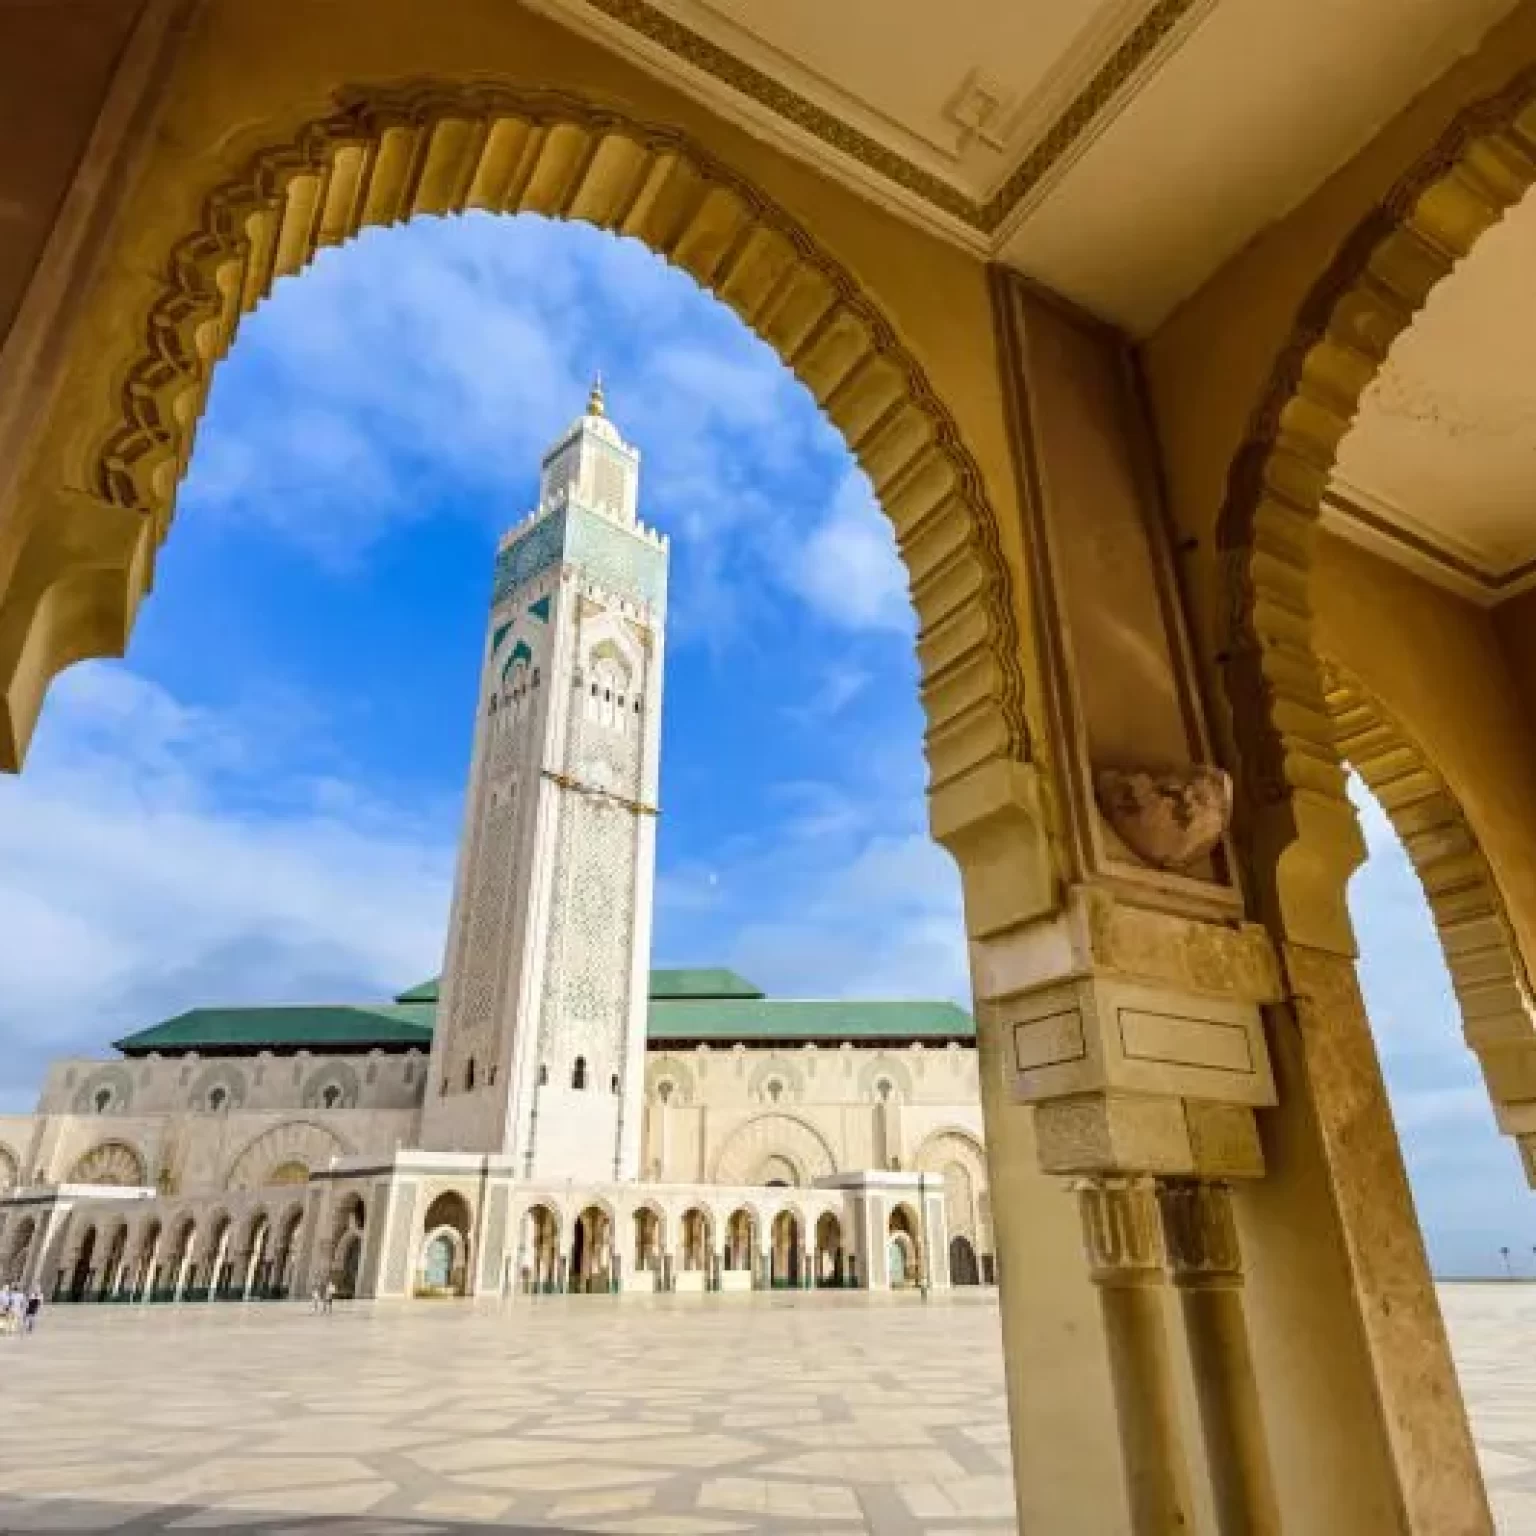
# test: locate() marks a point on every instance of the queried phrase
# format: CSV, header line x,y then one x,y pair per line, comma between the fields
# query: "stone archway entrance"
x,y
443,1266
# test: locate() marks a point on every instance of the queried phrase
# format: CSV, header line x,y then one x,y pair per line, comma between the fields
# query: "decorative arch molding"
x,y
789,1137
299,1143
1306,837
109,1162
1481,952
389,154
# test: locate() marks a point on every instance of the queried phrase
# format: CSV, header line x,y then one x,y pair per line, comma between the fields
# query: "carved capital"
x,y
1121,1230
1199,1232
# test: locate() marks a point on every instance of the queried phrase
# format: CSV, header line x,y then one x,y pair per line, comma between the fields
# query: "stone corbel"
x,y
993,820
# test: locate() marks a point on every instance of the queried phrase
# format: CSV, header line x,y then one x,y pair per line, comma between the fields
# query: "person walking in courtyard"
x,y
5,1308
330,1295
34,1307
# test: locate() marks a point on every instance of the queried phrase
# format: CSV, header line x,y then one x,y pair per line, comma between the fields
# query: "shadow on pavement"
x,y
125,1519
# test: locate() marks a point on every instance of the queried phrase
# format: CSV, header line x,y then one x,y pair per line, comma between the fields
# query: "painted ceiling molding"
x,y
1099,97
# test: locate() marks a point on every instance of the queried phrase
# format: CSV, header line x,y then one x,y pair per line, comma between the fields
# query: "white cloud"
x,y
149,862
848,568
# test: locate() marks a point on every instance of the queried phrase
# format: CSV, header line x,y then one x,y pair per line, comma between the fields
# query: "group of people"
x,y
19,1308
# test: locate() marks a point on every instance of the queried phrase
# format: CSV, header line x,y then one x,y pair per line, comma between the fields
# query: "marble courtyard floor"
x,y
680,1416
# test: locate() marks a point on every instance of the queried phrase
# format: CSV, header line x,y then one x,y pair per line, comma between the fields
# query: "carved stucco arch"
x,y
784,1136
292,1142
1481,952
1303,828
387,155
109,1162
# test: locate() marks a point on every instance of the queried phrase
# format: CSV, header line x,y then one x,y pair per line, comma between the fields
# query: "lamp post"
x,y
922,1233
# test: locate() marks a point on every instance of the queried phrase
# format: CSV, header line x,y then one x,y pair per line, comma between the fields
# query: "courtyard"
x,y
681,1417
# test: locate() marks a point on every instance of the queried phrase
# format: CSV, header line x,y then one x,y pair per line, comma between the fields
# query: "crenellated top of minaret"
x,y
592,466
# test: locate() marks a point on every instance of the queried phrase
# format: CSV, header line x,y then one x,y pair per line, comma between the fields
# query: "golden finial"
x,y
595,403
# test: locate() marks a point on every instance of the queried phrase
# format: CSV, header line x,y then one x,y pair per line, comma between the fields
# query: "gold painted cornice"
x,y
1082,114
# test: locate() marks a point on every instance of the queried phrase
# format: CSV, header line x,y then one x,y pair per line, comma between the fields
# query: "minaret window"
x,y
613,1083
579,1073
543,1076
469,1074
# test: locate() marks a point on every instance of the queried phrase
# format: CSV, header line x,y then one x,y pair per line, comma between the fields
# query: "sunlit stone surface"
x,y
734,1414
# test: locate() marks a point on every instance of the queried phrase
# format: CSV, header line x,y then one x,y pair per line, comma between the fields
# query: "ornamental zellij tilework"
x,y
552,1113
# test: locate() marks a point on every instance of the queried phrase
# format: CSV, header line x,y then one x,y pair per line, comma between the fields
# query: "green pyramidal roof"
x,y
687,1007
327,1027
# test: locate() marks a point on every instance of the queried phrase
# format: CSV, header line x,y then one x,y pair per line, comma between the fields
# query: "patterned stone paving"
x,y
681,1416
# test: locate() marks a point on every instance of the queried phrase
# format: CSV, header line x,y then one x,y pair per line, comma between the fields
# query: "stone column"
x,y
1121,1237
1202,1250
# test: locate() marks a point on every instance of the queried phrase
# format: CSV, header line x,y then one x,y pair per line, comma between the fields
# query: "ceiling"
x,y
1059,135
1438,470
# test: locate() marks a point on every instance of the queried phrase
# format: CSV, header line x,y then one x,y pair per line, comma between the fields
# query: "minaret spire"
x,y
596,405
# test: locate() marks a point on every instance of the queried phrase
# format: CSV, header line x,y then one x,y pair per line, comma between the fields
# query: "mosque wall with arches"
x,y
192,1177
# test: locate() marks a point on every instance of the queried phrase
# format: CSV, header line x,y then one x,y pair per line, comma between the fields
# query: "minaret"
x,y
539,1051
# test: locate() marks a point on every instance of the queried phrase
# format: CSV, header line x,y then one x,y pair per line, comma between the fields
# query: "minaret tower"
x,y
539,1051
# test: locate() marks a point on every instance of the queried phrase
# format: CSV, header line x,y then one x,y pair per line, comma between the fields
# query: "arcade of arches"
x,y
1197,470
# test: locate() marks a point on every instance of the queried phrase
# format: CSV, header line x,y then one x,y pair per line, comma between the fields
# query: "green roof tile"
x,y
687,1007
326,1027
701,984
422,992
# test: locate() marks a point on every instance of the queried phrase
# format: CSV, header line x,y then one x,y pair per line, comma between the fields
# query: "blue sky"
x,y
262,801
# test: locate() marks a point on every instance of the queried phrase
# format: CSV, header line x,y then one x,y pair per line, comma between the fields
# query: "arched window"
x,y
331,1096
217,1099
579,1073
774,1088
884,1089
103,1099
665,1089
469,1074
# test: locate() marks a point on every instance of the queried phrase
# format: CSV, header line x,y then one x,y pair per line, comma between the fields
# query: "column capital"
x,y
1121,1230
1200,1233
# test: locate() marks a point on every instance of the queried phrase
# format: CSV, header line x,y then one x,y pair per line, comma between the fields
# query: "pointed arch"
x,y
387,154
1488,973
1370,292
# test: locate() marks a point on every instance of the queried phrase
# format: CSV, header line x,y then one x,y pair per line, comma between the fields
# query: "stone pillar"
x,y
1120,1234
1202,1250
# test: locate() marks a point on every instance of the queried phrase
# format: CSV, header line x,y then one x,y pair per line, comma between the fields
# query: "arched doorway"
x,y
963,1268
696,1247
830,1262
256,1261
740,1271
114,1265
902,1250
540,1263
648,1244
18,1252
443,1267
281,1281
592,1259
179,1273
217,1265
348,1225
785,1251
78,1285
146,1265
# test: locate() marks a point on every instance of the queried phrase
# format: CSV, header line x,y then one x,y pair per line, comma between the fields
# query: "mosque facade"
x,y
552,1114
